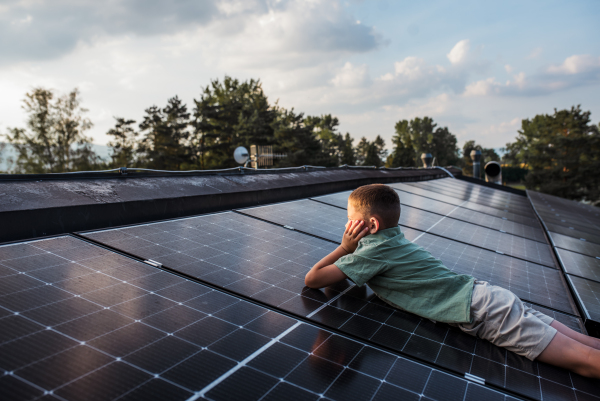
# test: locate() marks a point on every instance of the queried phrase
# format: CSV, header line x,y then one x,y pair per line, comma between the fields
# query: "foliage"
x,y
296,139
487,155
513,174
230,114
562,152
420,135
166,134
124,144
54,140
371,153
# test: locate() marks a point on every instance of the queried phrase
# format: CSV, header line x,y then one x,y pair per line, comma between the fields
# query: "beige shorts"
x,y
501,318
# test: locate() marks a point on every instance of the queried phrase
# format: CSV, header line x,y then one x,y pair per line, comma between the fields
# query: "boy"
x,y
406,276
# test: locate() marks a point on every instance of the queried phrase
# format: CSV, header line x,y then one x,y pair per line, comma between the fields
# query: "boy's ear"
x,y
373,225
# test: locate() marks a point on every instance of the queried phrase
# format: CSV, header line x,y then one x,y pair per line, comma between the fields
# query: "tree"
x,y
230,114
348,155
418,136
371,153
332,142
296,139
165,144
54,140
124,145
562,152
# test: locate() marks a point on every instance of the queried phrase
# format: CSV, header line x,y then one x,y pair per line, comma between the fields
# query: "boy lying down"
x,y
375,252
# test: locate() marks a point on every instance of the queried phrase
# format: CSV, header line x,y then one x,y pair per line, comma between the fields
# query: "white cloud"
x,y
459,52
577,64
351,76
508,68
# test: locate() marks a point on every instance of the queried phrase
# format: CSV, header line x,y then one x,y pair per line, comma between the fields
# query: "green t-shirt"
x,y
407,276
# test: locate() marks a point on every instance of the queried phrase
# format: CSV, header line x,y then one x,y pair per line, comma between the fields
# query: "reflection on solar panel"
x,y
274,277
576,245
107,326
580,265
578,258
588,292
467,215
471,194
505,214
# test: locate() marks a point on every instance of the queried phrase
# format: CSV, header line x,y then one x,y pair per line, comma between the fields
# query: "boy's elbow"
x,y
309,281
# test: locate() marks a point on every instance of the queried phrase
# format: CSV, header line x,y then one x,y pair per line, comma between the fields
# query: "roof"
x,y
214,305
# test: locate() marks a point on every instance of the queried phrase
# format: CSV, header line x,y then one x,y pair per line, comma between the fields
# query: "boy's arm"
x,y
324,272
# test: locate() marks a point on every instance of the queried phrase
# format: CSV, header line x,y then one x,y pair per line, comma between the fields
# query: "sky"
x,y
476,67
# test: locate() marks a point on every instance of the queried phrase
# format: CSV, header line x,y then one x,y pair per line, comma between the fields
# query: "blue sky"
x,y
476,67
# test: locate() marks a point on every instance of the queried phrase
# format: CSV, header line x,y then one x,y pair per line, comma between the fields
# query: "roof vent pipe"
x,y
493,172
426,158
476,157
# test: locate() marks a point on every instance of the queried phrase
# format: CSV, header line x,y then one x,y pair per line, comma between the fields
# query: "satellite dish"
x,y
240,155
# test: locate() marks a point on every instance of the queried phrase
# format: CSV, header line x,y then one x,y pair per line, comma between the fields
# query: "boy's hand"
x,y
355,230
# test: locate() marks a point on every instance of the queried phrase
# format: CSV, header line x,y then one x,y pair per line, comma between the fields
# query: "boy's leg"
x,y
582,338
570,354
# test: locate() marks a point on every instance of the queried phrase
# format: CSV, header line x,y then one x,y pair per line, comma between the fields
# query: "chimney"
x,y
493,173
476,157
427,159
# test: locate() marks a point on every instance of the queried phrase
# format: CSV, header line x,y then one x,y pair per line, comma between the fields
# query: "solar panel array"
x,y
215,307
573,228
81,322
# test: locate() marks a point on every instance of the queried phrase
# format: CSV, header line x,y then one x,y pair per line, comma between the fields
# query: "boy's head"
x,y
376,204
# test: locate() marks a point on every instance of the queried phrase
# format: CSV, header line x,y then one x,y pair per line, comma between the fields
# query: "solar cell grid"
x,y
506,214
588,292
580,265
490,192
470,216
476,197
188,340
524,248
576,245
358,312
575,232
528,281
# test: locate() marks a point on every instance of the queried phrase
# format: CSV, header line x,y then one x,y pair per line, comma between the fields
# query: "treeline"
x,y
557,154
228,114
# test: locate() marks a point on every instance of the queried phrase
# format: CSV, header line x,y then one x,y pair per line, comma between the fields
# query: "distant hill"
x,y
101,150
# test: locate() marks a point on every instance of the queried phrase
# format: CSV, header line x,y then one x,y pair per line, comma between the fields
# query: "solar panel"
x,y
576,245
508,244
577,233
529,281
588,294
527,231
477,197
579,265
251,246
159,336
505,214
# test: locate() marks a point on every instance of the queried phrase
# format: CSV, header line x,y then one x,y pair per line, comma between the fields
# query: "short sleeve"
x,y
358,268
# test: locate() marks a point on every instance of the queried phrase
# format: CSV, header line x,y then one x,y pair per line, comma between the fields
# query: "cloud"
x,y
459,52
578,64
575,71
38,30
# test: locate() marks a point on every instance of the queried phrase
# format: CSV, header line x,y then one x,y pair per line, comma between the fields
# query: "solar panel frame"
x,y
587,293
358,313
